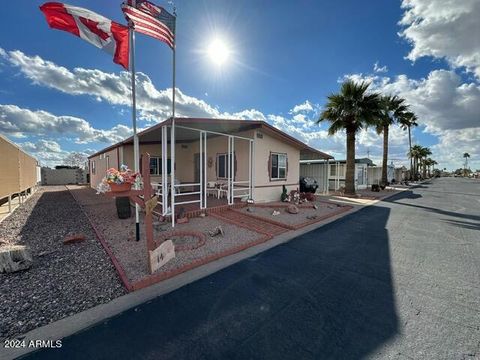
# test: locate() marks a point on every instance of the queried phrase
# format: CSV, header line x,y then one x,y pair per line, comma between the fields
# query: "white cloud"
x,y
445,106
49,152
440,100
153,105
305,107
380,69
435,105
21,122
443,29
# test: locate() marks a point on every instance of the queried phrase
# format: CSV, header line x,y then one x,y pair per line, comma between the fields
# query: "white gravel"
x,y
132,255
292,219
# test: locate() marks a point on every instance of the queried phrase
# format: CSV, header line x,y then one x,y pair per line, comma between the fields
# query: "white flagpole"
x,y
136,166
172,130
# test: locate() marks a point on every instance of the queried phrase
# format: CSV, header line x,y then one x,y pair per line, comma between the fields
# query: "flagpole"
x,y
134,121
172,130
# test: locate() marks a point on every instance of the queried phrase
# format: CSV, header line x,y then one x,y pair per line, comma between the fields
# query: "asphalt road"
x,y
399,280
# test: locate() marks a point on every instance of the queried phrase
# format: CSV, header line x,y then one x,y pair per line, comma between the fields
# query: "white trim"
x,y
278,165
214,132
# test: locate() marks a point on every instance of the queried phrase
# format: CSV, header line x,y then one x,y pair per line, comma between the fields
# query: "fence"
x,y
63,176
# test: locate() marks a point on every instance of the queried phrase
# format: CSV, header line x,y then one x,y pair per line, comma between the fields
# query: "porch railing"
x,y
247,189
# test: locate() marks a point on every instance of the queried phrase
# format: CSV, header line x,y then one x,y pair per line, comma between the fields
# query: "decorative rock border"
x,y
340,210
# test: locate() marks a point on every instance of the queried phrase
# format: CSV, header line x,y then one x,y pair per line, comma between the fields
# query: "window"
x,y
341,170
333,170
108,162
156,166
93,167
222,166
278,166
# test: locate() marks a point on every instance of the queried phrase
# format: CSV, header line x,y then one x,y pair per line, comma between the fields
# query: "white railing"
x,y
247,189
157,190
188,193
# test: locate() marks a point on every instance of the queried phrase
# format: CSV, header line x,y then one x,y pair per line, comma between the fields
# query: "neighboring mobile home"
x,y
20,172
394,174
214,159
335,172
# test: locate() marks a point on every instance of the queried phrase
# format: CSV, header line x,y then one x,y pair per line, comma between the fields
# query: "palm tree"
x,y
433,163
352,109
415,154
424,154
392,109
466,156
406,121
430,162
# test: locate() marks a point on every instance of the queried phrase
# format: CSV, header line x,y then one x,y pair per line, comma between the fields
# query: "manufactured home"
x,y
20,173
216,161
334,172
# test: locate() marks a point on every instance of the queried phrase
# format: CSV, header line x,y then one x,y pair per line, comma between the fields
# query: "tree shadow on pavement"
x,y
411,195
325,295
463,224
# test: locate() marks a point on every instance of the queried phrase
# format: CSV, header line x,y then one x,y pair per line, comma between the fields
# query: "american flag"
x,y
151,19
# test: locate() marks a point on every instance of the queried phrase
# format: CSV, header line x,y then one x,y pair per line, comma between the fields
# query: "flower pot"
x,y
120,187
124,210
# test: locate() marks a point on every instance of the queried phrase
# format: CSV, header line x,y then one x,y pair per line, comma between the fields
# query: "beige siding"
x,y
266,190
19,170
103,161
270,190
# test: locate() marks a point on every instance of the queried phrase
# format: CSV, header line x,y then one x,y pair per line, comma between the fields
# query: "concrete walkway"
x,y
397,280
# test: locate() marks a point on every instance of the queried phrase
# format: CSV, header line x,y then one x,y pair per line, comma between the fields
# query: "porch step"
x,y
251,222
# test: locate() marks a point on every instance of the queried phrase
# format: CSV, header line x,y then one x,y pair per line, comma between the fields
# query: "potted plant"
x,y
118,181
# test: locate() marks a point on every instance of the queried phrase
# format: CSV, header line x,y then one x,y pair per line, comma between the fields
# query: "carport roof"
x,y
225,126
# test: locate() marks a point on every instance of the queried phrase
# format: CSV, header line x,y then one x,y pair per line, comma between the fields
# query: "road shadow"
x,y
411,195
463,224
325,295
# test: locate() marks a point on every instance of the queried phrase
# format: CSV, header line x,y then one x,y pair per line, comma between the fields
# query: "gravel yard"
x,y
306,213
64,279
369,194
132,254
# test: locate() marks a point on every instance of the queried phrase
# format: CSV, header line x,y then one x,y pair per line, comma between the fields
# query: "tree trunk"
x,y
385,156
415,168
410,148
350,173
424,168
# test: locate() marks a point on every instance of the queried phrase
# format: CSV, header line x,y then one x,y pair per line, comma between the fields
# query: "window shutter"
x,y
269,167
216,166
286,166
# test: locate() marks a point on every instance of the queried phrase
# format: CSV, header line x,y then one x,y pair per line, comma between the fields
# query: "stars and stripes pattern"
x,y
151,20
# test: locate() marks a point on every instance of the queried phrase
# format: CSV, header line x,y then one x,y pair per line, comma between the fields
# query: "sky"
x,y
59,94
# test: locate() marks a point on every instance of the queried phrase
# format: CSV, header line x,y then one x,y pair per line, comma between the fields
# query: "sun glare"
x,y
218,52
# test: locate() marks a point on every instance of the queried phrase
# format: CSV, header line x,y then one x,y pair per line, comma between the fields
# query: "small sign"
x,y
161,255
151,204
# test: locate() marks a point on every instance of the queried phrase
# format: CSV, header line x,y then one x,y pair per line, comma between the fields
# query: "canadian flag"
x,y
105,34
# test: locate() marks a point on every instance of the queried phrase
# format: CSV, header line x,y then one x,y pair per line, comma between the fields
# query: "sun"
x,y
218,51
